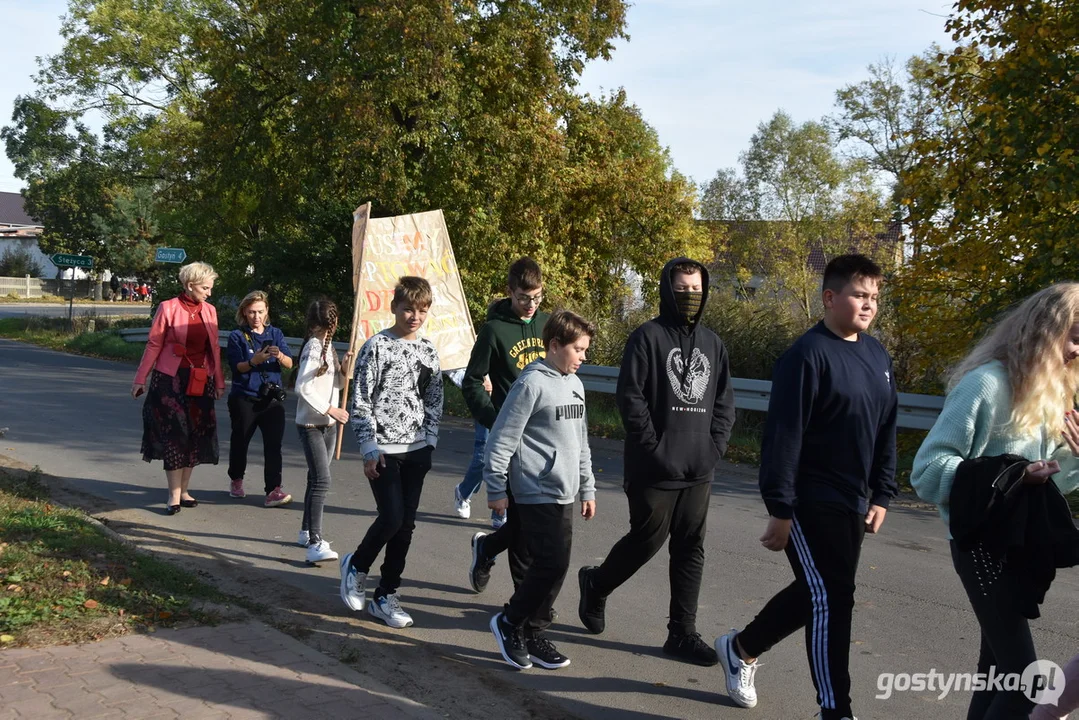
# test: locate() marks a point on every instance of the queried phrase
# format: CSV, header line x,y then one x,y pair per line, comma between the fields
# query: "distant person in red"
x,y
144,292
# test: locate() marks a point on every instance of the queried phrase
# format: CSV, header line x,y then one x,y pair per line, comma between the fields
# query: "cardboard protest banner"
x,y
384,249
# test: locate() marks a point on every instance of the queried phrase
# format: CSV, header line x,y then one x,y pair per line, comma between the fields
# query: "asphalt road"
x,y
73,417
21,309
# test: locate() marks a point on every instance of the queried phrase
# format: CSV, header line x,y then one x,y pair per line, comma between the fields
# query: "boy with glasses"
x,y
511,338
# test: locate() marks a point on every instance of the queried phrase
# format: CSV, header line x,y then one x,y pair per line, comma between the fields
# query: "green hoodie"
x,y
506,344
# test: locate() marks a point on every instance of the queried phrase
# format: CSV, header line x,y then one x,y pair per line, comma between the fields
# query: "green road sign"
x,y
171,255
79,261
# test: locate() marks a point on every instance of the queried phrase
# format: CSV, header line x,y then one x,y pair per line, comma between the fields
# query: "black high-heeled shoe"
x,y
189,503
172,509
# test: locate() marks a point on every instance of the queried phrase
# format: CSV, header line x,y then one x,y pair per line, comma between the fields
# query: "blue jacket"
x,y
240,350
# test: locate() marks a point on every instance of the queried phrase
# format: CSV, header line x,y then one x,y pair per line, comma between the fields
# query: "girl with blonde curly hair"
x,y
1013,395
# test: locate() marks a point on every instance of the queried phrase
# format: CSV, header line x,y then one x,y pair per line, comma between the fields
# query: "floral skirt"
x,y
176,428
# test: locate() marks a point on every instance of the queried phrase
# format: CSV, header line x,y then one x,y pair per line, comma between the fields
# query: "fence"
x,y
28,287
916,412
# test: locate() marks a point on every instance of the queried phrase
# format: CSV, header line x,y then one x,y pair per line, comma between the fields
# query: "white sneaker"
x,y
304,538
388,610
739,674
461,506
320,552
353,585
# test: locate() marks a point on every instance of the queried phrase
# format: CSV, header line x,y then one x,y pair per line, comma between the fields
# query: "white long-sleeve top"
x,y
316,393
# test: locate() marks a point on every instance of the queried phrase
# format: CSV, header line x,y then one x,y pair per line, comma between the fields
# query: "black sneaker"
x,y
479,573
543,652
690,648
593,607
511,642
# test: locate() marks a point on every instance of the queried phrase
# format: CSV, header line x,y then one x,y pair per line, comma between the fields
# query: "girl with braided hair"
x,y
318,383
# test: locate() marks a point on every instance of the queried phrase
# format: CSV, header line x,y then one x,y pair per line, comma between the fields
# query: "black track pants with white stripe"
x,y
823,550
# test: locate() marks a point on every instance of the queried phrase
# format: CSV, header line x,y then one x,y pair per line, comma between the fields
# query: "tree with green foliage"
x,y
794,195
18,262
261,126
1003,187
881,119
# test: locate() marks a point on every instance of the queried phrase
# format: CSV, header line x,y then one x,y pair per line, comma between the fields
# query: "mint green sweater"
x,y
973,424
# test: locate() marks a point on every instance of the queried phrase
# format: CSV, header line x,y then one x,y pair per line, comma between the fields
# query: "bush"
x,y
17,262
755,332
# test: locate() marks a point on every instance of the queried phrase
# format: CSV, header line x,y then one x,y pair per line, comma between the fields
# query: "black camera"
x,y
270,391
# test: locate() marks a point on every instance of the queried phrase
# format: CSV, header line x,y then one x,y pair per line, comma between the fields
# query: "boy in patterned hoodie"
x,y
396,411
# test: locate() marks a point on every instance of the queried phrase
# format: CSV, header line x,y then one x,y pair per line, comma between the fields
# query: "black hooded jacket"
x,y
1027,527
675,396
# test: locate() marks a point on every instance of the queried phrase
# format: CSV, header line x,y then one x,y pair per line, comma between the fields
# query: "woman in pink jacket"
x,y
182,360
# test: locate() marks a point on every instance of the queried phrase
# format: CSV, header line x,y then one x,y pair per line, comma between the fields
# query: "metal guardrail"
x,y
133,335
916,412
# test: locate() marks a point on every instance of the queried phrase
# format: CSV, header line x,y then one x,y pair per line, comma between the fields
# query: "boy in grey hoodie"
x,y
539,447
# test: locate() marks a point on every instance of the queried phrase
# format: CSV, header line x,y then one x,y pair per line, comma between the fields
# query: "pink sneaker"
x,y
236,488
276,497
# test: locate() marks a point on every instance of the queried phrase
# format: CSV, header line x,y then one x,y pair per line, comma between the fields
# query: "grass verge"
x,y
55,333
64,580
60,299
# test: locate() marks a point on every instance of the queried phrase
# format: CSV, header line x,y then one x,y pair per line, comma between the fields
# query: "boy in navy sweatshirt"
x,y
539,448
677,404
827,475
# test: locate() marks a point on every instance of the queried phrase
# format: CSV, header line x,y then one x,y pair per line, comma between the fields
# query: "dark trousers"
x,y
547,531
318,444
397,492
247,415
1006,645
655,515
509,537
823,550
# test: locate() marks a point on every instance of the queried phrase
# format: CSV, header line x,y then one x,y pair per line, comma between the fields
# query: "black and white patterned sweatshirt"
x,y
397,395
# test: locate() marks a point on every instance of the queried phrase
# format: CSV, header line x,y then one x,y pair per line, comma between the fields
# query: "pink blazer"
x,y
169,329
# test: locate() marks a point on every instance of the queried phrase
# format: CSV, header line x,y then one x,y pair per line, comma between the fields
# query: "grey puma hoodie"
x,y
539,443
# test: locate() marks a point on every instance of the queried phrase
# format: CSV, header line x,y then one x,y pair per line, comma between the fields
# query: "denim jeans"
x,y
397,492
474,475
318,445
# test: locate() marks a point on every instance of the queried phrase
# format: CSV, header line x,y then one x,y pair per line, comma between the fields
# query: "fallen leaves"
x,y
90,604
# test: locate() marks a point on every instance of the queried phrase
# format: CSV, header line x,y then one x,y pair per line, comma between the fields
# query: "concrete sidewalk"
x,y
240,670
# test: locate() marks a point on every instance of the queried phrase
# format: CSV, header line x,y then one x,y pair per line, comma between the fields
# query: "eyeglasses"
x,y
529,300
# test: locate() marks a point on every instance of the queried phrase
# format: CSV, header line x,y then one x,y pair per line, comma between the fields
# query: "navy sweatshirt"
x,y
830,433
677,413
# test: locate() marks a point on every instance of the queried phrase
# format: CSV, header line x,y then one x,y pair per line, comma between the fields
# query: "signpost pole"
x,y
71,303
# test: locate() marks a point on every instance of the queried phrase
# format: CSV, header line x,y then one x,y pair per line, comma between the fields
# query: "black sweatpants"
x,y
655,515
509,537
825,542
1006,645
397,492
547,531
247,415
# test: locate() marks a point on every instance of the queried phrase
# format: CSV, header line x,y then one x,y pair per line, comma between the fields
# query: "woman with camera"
x,y
182,364
257,353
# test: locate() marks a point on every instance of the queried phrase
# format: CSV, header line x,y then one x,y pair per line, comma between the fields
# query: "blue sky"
x,y
703,72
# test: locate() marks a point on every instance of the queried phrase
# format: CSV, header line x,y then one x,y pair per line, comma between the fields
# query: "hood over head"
x,y
668,308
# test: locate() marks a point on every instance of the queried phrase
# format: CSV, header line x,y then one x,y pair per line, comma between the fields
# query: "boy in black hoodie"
x,y
677,405
511,338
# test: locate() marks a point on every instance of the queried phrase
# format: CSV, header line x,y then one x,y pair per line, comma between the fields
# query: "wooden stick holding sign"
x,y
384,250
359,232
